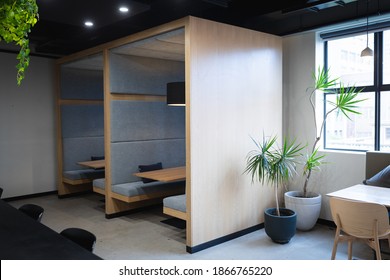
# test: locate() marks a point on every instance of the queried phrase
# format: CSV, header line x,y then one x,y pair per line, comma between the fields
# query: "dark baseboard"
x,y
326,223
223,239
29,196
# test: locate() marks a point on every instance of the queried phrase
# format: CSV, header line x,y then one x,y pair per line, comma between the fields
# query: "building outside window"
x,y
371,129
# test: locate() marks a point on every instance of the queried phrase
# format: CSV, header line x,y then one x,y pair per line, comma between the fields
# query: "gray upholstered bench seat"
x,y
84,174
137,188
139,191
177,202
81,176
140,188
175,206
99,185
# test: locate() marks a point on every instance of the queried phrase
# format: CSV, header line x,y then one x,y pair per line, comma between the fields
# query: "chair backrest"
x,y
358,218
1,192
32,210
80,236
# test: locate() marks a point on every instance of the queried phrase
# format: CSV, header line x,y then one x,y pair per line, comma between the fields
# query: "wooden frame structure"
x,y
233,91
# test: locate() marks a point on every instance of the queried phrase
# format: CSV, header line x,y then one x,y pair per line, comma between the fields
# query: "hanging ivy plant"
x,y
17,17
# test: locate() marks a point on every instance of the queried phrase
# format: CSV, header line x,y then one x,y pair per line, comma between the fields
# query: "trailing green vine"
x,y
17,17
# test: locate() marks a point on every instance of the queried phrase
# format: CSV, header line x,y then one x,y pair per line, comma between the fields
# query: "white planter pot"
x,y
307,209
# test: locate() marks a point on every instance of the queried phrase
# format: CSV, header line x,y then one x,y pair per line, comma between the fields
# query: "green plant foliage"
x,y
17,17
347,101
273,164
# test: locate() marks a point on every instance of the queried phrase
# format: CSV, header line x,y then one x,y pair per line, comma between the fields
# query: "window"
x,y
371,129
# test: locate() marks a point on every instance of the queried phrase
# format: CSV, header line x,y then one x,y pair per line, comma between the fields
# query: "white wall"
x,y
302,53
27,128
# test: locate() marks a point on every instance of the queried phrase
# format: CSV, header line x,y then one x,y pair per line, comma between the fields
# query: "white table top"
x,y
365,193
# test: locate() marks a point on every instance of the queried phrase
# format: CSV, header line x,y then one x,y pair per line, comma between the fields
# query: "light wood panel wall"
x,y
234,91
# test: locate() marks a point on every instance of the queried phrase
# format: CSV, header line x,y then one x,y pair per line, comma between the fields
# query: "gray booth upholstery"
x,y
144,133
176,202
82,138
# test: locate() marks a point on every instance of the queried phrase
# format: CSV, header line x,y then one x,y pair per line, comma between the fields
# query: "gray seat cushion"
x,y
99,183
177,202
84,174
140,188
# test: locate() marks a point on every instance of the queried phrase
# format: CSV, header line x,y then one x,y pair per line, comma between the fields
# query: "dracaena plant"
x,y
272,163
17,17
346,103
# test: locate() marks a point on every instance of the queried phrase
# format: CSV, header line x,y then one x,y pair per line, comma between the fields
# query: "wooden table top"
x,y
365,193
95,164
165,174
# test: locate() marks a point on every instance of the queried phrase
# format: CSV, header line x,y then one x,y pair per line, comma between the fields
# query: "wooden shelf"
x,y
138,97
80,102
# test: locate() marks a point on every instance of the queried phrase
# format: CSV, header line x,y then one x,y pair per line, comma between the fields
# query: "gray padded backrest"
x,y
143,75
82,120
81,83
126,157
375,162
81,149
132,121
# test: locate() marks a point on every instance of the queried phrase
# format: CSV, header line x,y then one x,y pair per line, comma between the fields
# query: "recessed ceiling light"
x,y
88,23
123,9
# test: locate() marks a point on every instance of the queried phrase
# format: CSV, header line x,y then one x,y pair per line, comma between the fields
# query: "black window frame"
x,y
376,88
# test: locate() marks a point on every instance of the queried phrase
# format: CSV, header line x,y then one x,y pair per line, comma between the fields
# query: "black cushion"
x,y
97,157
150,167
381,179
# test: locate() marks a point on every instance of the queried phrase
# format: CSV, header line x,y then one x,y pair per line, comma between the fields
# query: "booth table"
x,y
165,175
95,164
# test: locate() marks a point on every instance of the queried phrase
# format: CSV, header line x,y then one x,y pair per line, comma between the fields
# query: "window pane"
x,y
385,122
344,60
386,57
355,134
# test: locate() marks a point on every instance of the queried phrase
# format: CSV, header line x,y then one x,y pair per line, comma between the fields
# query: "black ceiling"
x,y
61,31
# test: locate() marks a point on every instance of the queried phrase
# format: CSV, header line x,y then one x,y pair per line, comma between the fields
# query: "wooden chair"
x,y
359,220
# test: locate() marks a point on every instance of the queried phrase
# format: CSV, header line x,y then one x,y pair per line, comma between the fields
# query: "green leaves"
x,y
322,80
347,101
273,164
17,17
313,162
259,161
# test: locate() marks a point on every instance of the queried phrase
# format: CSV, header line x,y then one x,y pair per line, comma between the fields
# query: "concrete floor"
x,y
142,236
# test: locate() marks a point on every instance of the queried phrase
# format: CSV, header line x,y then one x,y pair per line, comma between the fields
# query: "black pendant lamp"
x,y
176,94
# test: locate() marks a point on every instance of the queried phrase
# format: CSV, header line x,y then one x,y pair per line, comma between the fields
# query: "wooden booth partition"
x,y
234,92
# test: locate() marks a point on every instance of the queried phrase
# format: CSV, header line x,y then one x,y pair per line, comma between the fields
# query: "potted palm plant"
x,y
307,204
272,164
